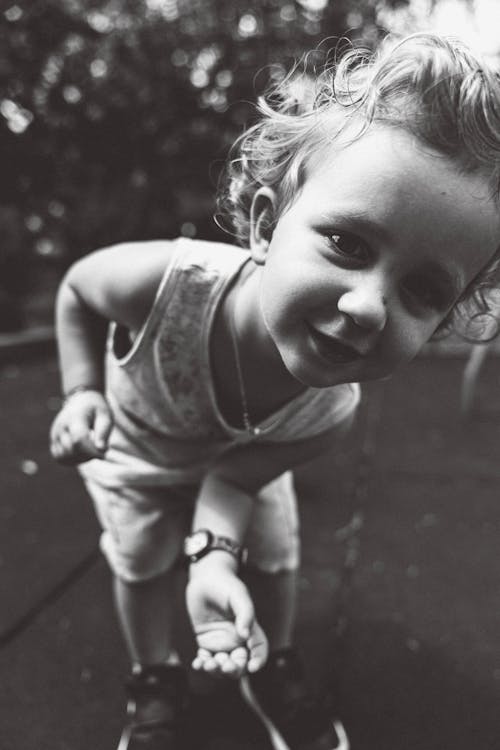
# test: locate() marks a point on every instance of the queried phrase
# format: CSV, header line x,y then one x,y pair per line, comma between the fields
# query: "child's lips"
x,y
333,349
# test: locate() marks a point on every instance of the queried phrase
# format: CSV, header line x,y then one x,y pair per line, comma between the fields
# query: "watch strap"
x,y
217,542
227,545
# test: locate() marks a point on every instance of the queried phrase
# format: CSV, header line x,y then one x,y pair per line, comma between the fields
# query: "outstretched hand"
x,y
230,641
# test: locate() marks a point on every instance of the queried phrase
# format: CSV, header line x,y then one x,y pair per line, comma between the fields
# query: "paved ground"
x,y
400,590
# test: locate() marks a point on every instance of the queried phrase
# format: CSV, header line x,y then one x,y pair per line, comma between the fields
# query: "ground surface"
x,y
400,591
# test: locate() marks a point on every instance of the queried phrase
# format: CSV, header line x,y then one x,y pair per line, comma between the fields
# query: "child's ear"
x,y
262,222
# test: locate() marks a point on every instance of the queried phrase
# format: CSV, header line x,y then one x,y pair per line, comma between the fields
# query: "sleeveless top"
x,y
168,427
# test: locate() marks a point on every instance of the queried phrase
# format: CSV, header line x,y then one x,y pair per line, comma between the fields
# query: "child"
x,y
369,219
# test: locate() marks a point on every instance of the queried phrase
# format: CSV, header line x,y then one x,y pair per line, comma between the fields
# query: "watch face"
x,y
196,543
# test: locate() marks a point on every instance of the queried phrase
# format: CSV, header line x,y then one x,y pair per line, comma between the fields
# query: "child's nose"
x,y
366,305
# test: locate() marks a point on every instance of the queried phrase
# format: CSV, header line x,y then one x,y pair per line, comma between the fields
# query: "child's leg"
x,y
146,612
274,556
142,540
143,533
278,693
146,616
275,600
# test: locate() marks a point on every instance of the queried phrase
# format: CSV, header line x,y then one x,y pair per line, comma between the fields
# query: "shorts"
x,y
144,528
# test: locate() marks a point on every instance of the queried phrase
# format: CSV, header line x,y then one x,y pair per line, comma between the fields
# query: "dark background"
x,y
116,117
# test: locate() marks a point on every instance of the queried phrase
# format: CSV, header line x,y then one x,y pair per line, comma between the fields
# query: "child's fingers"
x,y
236,664
71,439
60,453
202,658
85,444
56,450
67,448
80,432
233,664
230,669
207,663
67,443
258,649
63,453
256,662
229,664
102,427
222,658
197,663
55,429
240,656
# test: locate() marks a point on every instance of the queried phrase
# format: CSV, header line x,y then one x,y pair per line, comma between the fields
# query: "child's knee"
x,y
273,538
141,559
274,553
143,530
275,564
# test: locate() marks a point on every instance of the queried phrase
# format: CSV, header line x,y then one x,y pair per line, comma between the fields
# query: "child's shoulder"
x,y
125,267
128,257
210,252
120,281
137,252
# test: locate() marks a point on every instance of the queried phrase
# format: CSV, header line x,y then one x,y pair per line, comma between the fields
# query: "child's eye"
x,y
349,246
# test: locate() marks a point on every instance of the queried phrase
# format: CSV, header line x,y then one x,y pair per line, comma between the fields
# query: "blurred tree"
x,y
116,115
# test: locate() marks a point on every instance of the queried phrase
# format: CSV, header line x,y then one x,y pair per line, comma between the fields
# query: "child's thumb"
x,y
243,609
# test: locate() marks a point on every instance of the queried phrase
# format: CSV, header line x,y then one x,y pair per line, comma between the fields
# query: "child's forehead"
x,y
386,146
384,162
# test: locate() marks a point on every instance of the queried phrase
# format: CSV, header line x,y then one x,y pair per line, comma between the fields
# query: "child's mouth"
x,y
332,349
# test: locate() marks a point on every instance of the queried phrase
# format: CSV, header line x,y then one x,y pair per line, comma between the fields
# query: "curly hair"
x,y
432,86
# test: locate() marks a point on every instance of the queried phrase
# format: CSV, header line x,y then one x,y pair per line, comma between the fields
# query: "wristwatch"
x,y
200,543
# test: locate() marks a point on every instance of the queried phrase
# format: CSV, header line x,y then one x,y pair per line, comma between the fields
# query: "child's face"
x,y
375,250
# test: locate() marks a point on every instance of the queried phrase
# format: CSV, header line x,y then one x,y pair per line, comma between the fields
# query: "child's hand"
x,y
230,641
81,429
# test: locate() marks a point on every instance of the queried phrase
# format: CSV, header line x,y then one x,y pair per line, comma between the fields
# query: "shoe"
x,y
293,720
157,709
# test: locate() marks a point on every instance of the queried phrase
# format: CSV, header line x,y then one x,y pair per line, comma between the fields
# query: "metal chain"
x,y
249,427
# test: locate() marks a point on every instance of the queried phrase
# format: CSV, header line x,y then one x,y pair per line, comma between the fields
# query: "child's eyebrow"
x,y
360,221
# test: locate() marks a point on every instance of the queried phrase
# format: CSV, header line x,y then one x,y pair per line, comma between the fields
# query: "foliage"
x,y
116,115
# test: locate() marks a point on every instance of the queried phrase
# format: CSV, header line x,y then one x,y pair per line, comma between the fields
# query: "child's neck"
x,y
266,383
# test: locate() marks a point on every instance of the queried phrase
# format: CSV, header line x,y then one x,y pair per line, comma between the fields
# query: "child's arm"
x,y
219,604
119,284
